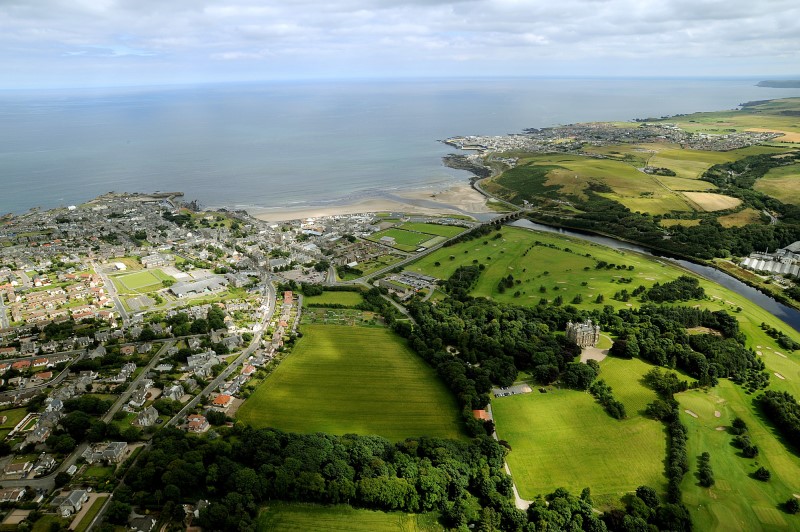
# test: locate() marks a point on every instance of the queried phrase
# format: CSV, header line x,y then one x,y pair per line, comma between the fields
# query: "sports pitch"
x,y
364,380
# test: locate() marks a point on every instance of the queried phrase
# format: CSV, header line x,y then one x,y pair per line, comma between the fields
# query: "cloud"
x,y
308,38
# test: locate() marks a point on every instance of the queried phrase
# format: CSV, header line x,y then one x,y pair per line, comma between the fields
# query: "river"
x,y
789,315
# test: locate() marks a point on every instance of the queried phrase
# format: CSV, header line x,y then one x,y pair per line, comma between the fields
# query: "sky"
x,y
76,43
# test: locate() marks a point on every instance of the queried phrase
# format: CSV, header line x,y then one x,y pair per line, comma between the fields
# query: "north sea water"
x,y
289,144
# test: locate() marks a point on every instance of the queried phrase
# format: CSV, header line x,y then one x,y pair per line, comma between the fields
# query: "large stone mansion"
x,y
585,334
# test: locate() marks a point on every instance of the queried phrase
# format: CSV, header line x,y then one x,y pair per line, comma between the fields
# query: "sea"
x,y
262,146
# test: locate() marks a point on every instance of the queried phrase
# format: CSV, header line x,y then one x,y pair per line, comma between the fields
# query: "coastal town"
x,y
134,312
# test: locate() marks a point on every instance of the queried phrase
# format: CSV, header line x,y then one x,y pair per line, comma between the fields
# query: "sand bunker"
x,y
759,353
720,428
781,354
691,413
781,377
717,413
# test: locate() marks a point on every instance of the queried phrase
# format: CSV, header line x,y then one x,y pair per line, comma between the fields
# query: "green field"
x,y
737,501
565,276
13,417
141,281
433,229
302,517
348,299
782,183
371,265
564,438
340,379
340,316
404,240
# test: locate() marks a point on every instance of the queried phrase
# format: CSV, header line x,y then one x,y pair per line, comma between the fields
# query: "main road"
x,y
222,377
112,292
3,316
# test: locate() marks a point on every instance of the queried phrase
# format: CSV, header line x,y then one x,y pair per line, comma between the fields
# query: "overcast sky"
x,y
53,43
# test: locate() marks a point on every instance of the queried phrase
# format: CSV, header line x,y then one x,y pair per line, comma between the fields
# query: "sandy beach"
x,y
456,199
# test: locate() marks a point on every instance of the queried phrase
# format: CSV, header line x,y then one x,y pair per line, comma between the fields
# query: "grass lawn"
x,y
94,509
564,438
301,517
341,379
782,183
737,501
98,473
46,521
433,229
13,417
372,265
348,299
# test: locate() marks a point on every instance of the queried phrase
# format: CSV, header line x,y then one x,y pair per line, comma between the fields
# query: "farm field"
x,y
141,281
738,219
341,518
608,455
343,379
348,299
782,183
708,201
737,501
555,175
766,116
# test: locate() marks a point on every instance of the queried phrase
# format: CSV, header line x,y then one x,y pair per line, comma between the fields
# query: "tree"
x,y
61,479
762,474
792,505
648,495
118,512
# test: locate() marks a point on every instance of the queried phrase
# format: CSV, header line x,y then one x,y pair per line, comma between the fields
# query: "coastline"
x,y
459,199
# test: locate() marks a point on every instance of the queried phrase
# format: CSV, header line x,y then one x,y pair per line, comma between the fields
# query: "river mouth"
x,y
783,312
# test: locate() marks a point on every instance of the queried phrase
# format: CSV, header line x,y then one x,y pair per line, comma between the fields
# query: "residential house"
x,y
21,365
197,423
71,503
174,392
147,417
44,464
20,468
110,452
222,401
12,494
